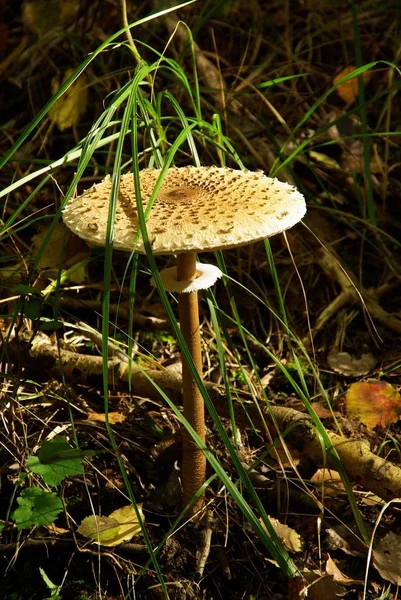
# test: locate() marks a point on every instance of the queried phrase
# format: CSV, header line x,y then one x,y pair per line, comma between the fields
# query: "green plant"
x,y
53,588
54,461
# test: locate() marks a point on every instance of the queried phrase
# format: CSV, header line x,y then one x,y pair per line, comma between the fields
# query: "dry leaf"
x,y
354,160
374,403
330,481
290,538
348,91
324,160
372,500
120,526
41,16
313,586
68,109
285,457
338,576
341,538
114,417
387,558
321,411
345,364
58,248
54,530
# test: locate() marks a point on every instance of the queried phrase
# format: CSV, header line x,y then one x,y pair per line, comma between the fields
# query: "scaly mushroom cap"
x,y
196,209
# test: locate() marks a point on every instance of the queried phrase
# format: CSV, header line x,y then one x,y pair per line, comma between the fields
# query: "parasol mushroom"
x,y
197,209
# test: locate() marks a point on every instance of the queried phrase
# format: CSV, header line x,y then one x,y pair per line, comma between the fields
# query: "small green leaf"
x,y
36,507
33,308
54,588
56,460
25,290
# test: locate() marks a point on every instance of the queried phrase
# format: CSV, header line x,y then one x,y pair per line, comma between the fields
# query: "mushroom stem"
x,y
193,461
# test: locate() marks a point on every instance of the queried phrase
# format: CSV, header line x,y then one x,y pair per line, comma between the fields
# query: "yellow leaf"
x,y
55,250
120,526
373,403
330,481
114,417
50,256
290,538
324,159
41,16
68,109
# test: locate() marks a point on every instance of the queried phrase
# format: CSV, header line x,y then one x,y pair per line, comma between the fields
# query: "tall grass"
x,y
164,126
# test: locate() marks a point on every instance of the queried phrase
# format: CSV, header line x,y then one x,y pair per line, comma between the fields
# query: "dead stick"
x,y
365,468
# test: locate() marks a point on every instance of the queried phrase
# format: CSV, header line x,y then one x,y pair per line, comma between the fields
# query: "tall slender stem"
x,y
194,461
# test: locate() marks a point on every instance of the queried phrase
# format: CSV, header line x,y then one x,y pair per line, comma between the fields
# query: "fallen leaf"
x,y
387,558
338,576
345,364
321,411
120,526
354,159
54,530
330,481
314,586
372,500
290,538
324,160
68,109
285,457
42,16
341,538
373,403
114,417
349,90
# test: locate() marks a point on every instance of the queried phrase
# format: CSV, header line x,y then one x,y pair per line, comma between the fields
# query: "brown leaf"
x,y
345,364
342,538
373,403
290,538
330,481
387,558
338,576
313,586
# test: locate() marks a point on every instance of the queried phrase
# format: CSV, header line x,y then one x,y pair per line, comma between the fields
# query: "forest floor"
x,y
308,324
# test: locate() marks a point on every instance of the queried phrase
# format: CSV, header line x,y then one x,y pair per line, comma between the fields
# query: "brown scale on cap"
x,y
196,209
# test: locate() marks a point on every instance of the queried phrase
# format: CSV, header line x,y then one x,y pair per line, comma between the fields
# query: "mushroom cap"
x,y
196,209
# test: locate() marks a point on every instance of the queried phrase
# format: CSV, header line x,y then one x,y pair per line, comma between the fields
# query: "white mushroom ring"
x,y
207,275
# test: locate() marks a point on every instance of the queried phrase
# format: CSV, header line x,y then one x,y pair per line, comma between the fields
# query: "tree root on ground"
x,y
351,293
374,473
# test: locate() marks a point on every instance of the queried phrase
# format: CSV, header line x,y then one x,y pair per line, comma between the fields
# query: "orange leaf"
x,y
348,91
374,403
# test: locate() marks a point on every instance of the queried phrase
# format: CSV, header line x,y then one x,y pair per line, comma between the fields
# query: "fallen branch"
x,y
351,293
363,467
